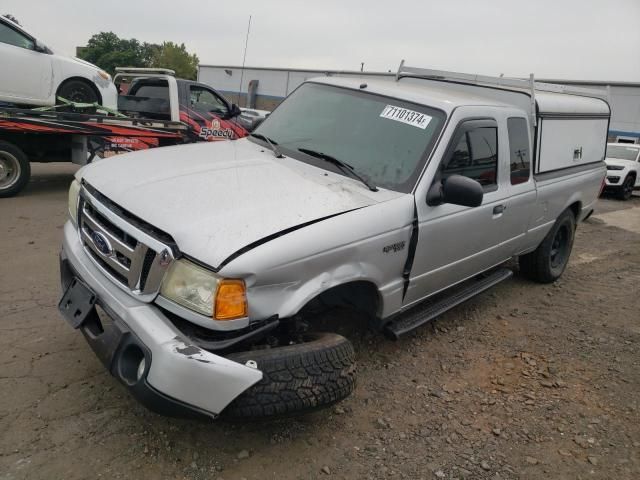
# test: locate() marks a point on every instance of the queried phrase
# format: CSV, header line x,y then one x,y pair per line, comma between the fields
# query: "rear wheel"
x,y
15,169
297,378
77,91
547,262
626,190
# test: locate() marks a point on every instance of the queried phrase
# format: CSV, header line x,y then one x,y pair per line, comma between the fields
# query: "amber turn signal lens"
x,y
231,300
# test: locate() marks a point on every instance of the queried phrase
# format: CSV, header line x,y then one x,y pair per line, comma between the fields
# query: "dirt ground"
x,y
526,381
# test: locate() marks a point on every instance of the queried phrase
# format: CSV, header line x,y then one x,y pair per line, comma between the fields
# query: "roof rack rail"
x,y
146,71
500,81
528,84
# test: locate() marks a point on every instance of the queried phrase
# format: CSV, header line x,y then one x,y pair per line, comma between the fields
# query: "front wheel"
x,y
77,91
547,262
626,190
298,378
15,169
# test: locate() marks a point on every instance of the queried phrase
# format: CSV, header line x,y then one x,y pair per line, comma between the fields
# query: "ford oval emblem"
x,y
165,258
102,243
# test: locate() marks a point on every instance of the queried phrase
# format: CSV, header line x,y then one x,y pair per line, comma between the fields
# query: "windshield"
x,y
622,152
384,139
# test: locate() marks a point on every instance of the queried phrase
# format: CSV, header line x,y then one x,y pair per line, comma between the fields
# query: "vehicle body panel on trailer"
x,y
170,116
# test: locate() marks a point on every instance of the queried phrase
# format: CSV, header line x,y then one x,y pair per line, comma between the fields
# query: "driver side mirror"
x,y
457,190
235,111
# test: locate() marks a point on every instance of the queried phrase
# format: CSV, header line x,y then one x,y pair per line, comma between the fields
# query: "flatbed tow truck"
x,y
157,110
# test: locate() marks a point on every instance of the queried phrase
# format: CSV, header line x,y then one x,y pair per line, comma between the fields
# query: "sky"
x,y
564,39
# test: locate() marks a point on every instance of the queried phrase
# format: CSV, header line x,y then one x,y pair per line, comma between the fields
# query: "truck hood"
x,y
619,162
217,198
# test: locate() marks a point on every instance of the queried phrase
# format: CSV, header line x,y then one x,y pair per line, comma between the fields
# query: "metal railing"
x,y
508,83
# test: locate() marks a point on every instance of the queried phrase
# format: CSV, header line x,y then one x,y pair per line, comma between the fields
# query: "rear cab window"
x,y
153,91
519,155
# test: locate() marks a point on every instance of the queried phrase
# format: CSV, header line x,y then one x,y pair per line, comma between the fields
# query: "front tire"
x,y
78,91
15,169
296,378
547,262
626,190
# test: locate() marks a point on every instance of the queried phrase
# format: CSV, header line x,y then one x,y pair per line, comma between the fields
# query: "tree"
x,y
109,51
174,56
12,18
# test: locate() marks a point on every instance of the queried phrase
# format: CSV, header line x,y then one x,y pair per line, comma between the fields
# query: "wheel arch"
x,y
362,295
86,80
576,208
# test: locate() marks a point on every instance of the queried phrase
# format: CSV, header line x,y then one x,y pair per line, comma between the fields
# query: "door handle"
x,y
498,209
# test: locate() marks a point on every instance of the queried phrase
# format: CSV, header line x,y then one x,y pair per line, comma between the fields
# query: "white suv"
x,y
623,168
32,74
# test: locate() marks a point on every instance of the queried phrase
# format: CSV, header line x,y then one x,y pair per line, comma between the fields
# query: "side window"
x,y
519,150
475,154
204,100
12,37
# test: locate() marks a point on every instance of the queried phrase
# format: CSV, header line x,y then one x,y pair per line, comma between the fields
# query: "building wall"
x,y
274,84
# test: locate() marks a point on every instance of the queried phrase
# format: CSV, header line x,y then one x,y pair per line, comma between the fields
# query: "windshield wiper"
x,y
344,166
271,143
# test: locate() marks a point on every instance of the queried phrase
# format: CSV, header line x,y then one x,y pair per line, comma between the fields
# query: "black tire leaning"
x,y
626,190
79,91
539,265
296,378
10,155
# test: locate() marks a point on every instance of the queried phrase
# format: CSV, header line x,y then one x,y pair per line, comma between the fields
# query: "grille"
x,y
128,255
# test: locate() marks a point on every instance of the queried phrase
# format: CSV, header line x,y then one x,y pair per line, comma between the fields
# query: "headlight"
x,y
104,75
615,167
74,192
205,292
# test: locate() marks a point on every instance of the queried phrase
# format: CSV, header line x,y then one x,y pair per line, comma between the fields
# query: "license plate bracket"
x,y
77,303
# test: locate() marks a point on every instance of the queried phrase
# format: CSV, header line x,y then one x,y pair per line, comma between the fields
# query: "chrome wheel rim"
x,y
9,170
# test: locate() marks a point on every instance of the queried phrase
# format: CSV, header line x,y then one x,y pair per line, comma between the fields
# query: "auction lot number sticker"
x,y
404,115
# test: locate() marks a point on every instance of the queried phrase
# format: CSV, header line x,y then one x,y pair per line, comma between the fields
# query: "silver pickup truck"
x,y
203,275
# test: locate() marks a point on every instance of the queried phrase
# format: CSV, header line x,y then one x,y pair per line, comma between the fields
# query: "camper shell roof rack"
x,y
529,86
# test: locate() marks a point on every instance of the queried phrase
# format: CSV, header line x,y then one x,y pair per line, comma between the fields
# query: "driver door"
x,y
457,242
25,75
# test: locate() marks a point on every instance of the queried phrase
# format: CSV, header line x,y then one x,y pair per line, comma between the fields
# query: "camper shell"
x,y
567,123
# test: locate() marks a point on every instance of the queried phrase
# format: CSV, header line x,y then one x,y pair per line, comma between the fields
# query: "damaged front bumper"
x,y
141,347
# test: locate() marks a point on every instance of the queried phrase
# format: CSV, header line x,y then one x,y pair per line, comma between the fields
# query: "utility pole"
x,y
244,57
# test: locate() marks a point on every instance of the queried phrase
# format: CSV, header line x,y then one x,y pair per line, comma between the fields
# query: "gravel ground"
x,y
525,381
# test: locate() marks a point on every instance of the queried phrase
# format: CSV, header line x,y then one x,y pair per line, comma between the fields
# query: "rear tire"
x,y
78,91
547,262
15,169
626,190
296,378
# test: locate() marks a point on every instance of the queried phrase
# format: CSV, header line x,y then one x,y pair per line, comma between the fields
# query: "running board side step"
x,y
428,310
